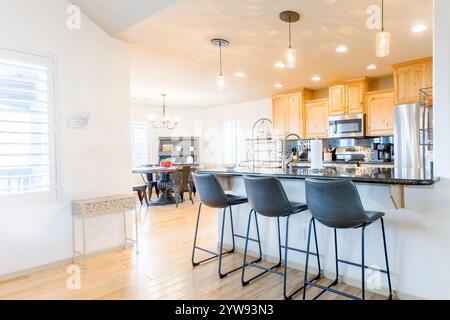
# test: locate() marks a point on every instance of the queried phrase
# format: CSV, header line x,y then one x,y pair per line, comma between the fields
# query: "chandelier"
x,y
166,122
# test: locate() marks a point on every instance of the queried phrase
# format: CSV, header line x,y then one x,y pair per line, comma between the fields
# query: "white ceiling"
x,y
171,50
115,16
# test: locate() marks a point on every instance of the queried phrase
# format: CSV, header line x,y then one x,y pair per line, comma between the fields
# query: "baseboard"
x,y
398,295
68,261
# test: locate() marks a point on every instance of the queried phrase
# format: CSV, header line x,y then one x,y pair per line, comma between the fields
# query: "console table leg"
x,y
73,240
137,235
125,230
84,242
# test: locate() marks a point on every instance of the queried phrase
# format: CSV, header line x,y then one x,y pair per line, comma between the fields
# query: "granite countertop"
x,y
386,176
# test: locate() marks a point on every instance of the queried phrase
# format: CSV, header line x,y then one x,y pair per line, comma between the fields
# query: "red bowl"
x,y
166,164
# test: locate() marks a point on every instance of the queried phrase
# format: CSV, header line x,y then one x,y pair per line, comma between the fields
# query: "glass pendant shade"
x,y
220,82
290,58
383,44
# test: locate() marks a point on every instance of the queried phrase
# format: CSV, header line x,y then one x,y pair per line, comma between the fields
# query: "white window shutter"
x,y
27,130
139,142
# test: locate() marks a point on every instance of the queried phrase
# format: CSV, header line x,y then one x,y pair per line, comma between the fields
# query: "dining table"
x,y
164,183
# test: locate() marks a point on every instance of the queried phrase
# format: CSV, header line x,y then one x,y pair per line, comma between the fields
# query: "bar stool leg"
x,y
305,283
286,297
195,237
221,275
336,281
232,230
244,264
317,251
387,260
259,240
363,268
279,241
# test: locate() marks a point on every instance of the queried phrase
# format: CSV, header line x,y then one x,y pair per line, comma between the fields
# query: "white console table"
x,y
90,208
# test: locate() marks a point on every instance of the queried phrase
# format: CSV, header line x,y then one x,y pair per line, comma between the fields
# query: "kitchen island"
x,y
381,189
389,176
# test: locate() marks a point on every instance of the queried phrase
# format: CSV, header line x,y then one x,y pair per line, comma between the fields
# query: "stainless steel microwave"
x,y
347,126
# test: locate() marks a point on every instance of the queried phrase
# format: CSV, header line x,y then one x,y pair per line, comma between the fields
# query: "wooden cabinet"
x,y
337,101
316,114
288,113
410,77
380,113
279,114
347,97
355,92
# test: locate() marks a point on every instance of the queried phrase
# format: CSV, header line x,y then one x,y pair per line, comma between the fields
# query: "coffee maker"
x,y
383,152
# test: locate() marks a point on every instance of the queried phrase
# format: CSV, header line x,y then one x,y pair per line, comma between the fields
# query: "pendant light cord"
x,y
290,39
164,107
220,59
382,15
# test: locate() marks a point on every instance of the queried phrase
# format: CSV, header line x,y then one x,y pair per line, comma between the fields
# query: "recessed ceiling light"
x,y
342,49
278,85
239,74
280,65
419,28
316,78
371,67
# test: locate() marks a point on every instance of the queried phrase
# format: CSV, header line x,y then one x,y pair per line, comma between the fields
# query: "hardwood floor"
x,y
162,270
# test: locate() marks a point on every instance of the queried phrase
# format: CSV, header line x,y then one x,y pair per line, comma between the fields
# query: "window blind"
x,y
27,157
232,141
139,136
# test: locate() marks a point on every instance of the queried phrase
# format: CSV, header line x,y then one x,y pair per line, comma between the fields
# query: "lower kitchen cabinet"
x,y
316,114
380,113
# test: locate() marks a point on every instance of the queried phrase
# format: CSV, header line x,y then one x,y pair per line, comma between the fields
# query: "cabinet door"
x,y
279,115
316,113
295,113
428,79
380,113
337,100
355,91
410,78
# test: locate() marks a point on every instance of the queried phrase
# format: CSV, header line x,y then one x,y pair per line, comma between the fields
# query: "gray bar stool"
x,y
268,198
337,205
212,195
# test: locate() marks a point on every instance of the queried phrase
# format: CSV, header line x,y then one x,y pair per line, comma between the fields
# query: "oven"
x,y
347,126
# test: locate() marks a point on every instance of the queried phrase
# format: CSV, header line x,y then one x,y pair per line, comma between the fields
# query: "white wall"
x,y
190,124
206,123
92,77
247,113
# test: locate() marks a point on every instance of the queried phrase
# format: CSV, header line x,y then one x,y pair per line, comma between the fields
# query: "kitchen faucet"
x,y
284,161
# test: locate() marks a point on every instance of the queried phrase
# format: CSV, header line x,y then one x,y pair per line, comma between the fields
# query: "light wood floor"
x,y
162,270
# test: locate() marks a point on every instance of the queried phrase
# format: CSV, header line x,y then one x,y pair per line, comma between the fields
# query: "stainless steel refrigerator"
x,y
413,137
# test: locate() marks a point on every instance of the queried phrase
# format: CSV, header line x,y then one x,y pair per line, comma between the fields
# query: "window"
x,y
232,143
139,143
27,130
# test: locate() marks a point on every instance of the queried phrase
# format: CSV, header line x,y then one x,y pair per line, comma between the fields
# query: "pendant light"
x,y
290,54
383,41
221,43
166,121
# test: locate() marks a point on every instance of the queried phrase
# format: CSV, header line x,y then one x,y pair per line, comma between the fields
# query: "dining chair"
x,y
181,184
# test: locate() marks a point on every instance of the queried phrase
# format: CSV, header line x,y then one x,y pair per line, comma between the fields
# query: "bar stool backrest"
x,y
210,190
267,196
335,204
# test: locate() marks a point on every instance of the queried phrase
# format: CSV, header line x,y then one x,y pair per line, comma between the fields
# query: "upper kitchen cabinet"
x,y
279,114
337,101
380,113
288,112
316,114
347,97
410,77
